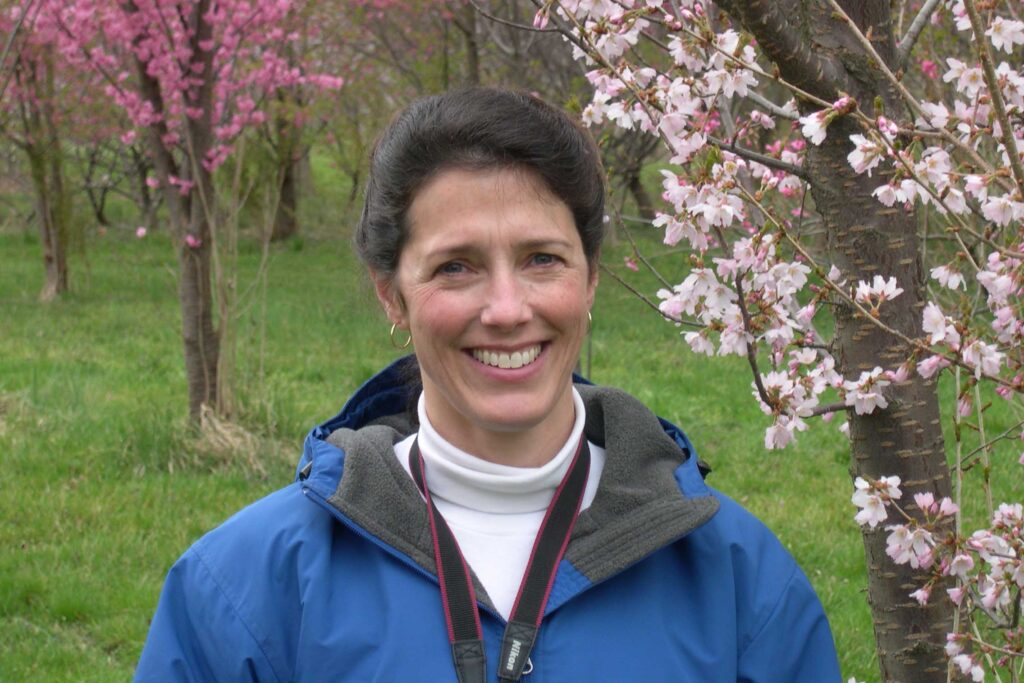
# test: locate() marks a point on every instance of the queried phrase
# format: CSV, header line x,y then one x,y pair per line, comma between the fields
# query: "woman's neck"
x,y
531,447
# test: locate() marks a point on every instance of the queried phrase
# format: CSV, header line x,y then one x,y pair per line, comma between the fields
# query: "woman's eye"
x,y
544,259
451,268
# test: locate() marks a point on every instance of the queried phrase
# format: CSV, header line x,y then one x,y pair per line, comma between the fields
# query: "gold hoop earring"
x,y
590,322
394,326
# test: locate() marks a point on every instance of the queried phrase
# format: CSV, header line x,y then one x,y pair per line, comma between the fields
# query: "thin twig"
x,y
748,328
522,27
986,468
565,31
995,94
986,445
870,49
643,259
635,219
640,295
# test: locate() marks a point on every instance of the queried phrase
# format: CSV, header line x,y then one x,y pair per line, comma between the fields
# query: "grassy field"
x,y
102,485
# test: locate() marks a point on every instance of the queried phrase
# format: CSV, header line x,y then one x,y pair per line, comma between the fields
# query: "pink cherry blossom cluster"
x,y
711,208
987,566
244,43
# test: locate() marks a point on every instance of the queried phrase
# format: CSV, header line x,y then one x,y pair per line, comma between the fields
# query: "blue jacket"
x,y
332,578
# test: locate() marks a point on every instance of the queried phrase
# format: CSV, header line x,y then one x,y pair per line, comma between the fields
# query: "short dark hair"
x,y
477,128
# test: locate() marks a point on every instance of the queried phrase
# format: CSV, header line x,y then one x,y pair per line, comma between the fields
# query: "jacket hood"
x,y
651,490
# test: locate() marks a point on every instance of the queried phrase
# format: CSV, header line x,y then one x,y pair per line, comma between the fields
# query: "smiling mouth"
x,y
506,360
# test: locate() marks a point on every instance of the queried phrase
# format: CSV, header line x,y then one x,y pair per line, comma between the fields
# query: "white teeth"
x,y
516,359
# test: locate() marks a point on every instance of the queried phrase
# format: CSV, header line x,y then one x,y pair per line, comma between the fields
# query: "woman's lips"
x,y
507,359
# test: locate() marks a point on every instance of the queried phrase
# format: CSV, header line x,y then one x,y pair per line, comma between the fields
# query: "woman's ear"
x,y
390,298
592,284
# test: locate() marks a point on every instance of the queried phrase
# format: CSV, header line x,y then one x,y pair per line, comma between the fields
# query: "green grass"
x,y
103,485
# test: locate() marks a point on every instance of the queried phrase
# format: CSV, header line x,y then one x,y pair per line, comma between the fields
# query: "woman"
x,y
477,516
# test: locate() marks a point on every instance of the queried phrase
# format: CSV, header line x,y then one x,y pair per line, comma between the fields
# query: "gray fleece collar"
x,y
639,507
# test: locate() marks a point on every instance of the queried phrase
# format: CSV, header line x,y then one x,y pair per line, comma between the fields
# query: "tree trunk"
x,y
867,239
465,19
146,201
191,216
816,51
285,221
644,204
46,161
51,203
285,217
201,338
97,195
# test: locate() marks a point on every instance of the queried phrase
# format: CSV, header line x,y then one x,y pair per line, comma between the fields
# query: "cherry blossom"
x,y
866,154
948,277
937,116
813,126
956,595
871,497
929,366
961,565
910,544
880,289
1005,34
984,358
939,326
865,394
969,666
922,595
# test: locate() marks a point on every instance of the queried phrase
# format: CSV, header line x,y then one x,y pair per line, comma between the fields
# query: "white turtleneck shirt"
x,y
496,510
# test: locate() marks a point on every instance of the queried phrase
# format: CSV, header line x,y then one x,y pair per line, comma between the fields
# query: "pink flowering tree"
x,y
847,178
34,116
193,76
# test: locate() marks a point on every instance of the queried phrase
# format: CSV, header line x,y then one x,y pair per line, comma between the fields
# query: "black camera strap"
x,y
459,598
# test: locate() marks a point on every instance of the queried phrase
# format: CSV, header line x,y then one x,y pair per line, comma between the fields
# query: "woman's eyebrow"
x,y
545,242
472,248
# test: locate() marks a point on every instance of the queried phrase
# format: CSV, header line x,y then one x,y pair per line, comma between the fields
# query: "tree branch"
x,y
10,43
773,108
830,408
906,44
763,159
908,98
751,351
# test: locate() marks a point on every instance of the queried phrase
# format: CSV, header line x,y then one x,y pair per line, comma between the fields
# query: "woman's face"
x,y
494,286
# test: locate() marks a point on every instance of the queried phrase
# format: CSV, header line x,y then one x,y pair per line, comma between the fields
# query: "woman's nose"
x,y
507,303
